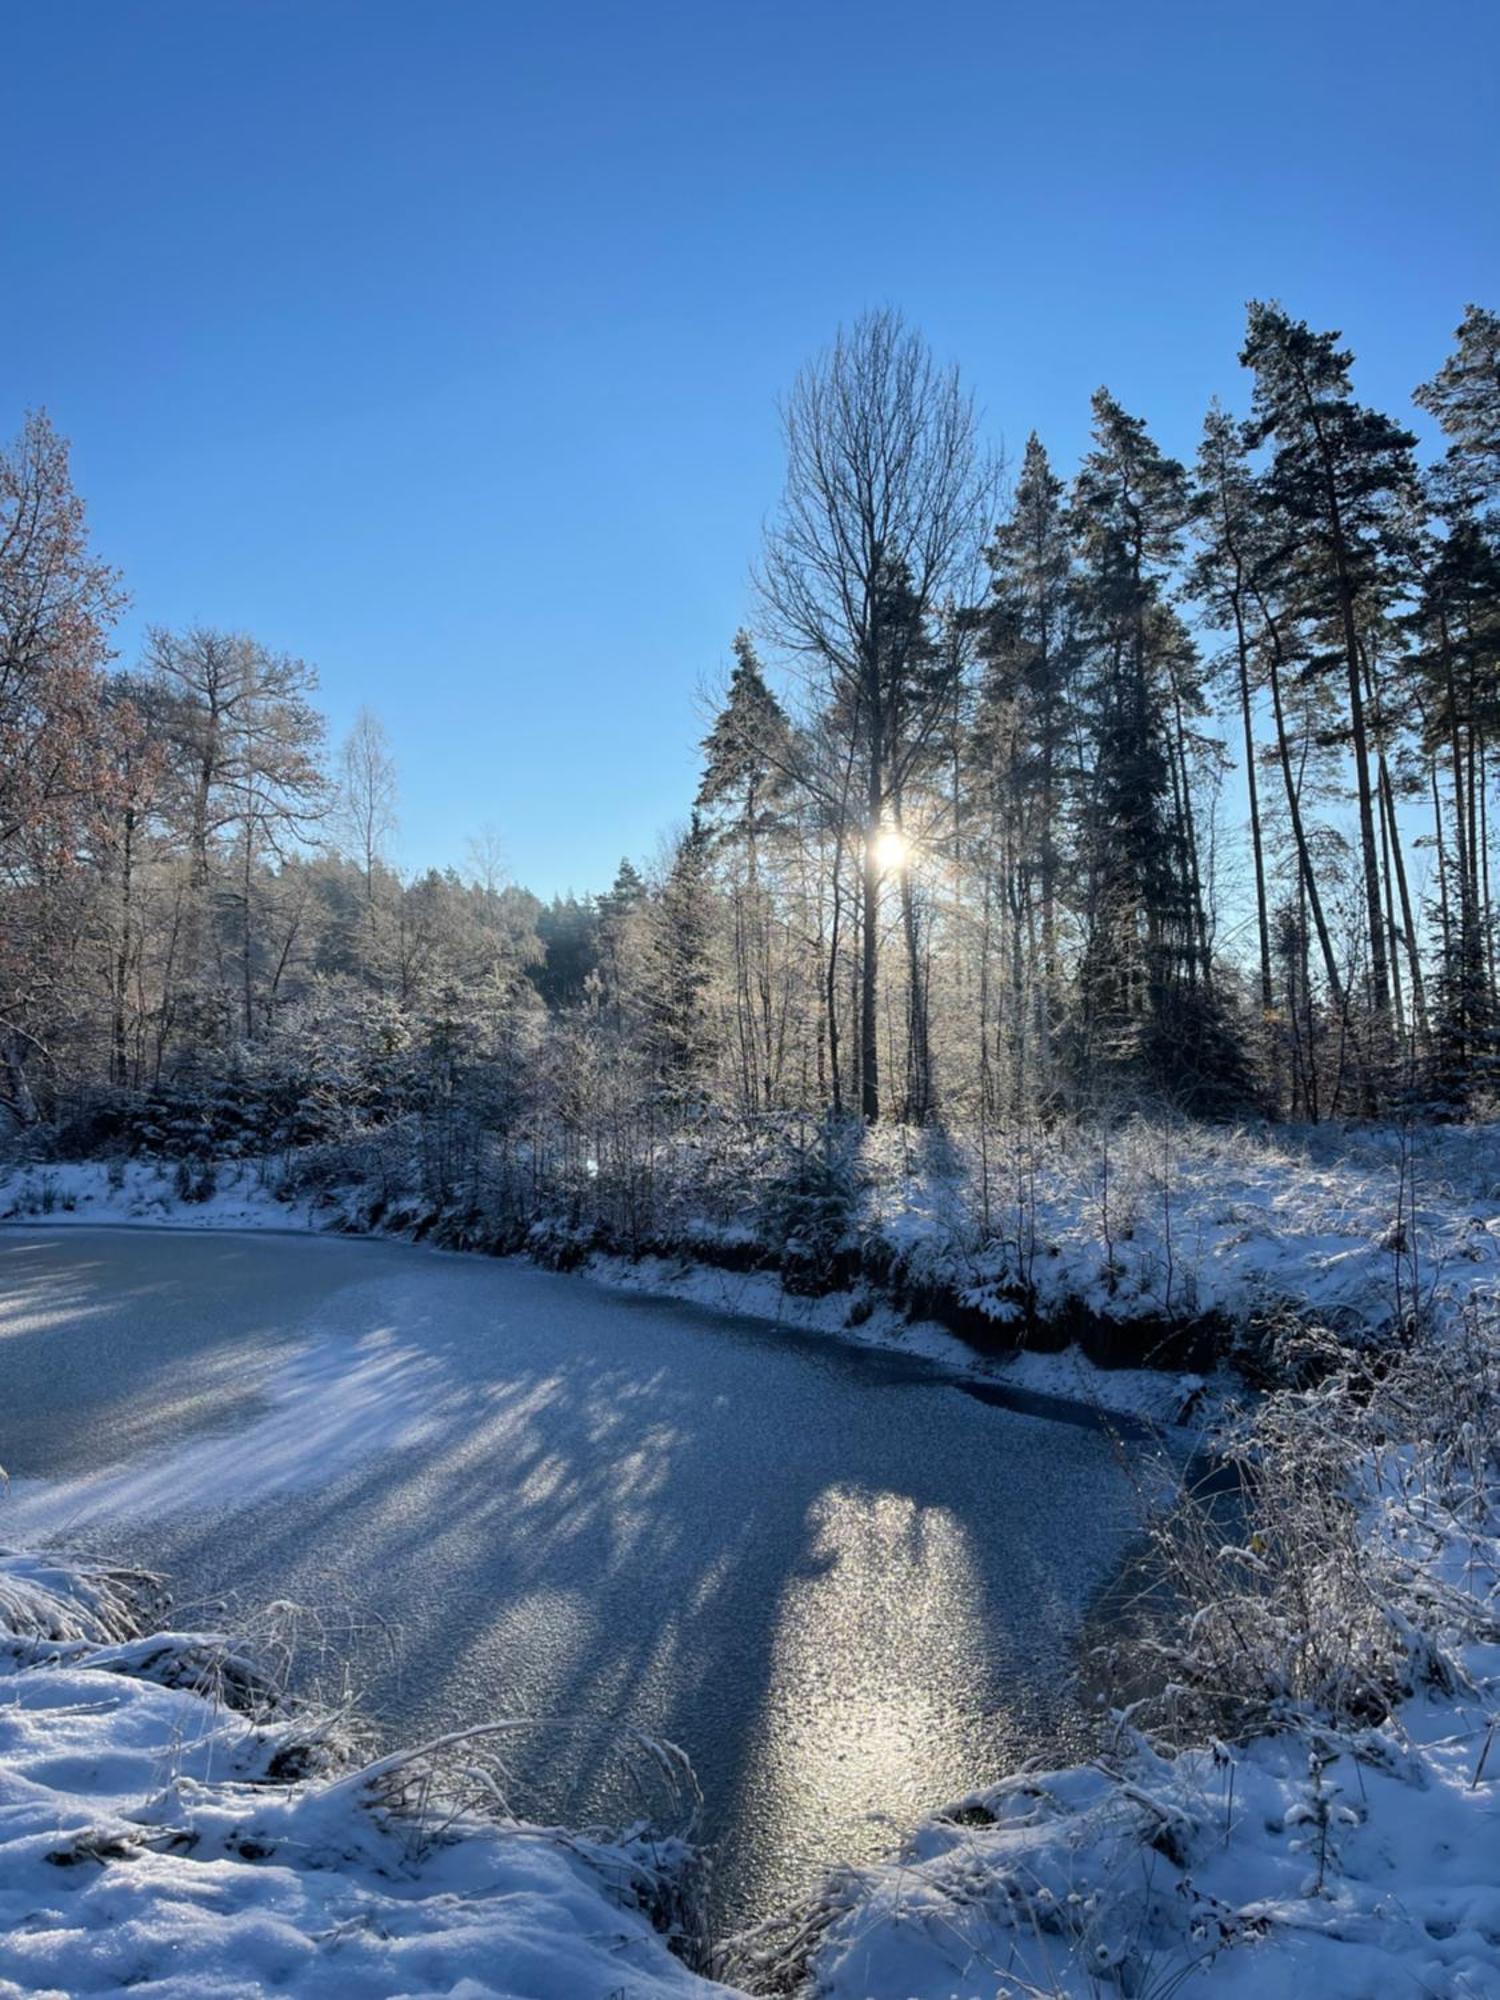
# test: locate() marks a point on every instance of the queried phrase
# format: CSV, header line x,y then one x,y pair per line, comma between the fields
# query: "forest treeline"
x,y
1027,794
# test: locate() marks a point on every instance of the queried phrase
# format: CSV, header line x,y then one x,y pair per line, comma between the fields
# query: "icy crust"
x,y
150,1842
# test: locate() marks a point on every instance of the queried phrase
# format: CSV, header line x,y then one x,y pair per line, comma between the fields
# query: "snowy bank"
x,y
151,1193
1115,1265
1112,1264
164,1829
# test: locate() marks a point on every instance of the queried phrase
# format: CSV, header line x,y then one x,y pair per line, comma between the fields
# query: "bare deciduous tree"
x,y
881,518
367,794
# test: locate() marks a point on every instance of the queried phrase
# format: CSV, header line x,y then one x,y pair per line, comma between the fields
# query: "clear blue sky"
x,y
441,343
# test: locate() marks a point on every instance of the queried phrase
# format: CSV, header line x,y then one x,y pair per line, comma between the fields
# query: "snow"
x,y
143,1193
1351,1225
498,1490
1098,1878
146,1844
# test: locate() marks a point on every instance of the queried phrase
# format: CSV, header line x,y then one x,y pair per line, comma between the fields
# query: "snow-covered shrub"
x,y
807,1204
48,1598
1280,1614
1309,1590
195,1181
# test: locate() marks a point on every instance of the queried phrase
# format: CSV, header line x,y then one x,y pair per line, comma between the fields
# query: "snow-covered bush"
x,y
46,1598
1306,1589
807,1204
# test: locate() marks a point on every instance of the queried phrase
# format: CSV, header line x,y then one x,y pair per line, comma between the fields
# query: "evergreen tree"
x,y
1146,975
569,932
1021,748
747,775
679,967
1464,396
1339,489
1455,629
1224,513
747,753
616,976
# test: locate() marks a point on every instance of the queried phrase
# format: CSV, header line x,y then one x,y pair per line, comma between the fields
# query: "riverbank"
x,y
1146,1268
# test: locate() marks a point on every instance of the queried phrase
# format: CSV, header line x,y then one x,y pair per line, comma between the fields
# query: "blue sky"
x,y
441,343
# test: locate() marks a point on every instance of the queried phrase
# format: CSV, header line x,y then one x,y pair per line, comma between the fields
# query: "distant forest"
x,y
1027,795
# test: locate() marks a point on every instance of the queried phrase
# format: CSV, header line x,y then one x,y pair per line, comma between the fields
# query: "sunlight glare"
x,y
892,850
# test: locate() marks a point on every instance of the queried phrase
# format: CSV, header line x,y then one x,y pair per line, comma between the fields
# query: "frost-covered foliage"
x,y
1322,1585
43,1598
156,1833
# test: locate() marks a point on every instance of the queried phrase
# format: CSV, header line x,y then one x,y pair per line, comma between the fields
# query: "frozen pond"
x,y
848,1589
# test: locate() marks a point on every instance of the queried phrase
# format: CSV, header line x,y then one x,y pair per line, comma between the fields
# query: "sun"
x,y
891,849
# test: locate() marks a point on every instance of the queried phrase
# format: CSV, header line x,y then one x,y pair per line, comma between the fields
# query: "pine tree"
x,y
748,762
617,974
747,752
1464,396
569,932
1455,629
679,967
1457,620
1341,482
1224,513
1145,982
1020,752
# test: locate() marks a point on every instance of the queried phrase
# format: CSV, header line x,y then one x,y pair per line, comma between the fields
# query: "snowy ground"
x,y
153,1839
1354,1226
1153,1394
1203,1873
145,1193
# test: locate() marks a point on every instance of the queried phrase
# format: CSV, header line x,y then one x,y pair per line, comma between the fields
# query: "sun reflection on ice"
x,y
892,1593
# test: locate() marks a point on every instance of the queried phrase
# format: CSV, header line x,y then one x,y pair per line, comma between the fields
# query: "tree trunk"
x,y
1257,846
1294,813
